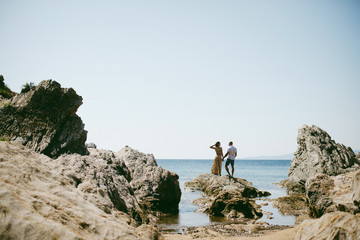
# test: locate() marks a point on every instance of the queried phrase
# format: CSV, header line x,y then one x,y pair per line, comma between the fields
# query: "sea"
x,y
264,175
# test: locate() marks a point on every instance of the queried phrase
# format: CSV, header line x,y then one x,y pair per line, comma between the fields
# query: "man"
x,y
232,153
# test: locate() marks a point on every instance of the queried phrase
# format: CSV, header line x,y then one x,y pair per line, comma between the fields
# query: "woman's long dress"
x,y
216,167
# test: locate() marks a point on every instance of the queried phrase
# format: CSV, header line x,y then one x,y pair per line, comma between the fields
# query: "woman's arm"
x,y
212,146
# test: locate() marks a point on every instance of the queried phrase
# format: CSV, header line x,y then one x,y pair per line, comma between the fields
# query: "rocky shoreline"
x,y
54,186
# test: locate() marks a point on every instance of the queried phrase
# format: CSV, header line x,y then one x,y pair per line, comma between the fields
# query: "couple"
x,y
231,153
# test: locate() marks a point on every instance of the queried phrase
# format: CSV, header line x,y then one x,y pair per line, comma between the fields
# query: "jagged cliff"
x,y
44,120
318,153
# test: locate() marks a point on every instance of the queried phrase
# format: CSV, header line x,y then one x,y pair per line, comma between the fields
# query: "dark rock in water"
x,y
226,196
291,205
45,119
156,188
233,205
318,153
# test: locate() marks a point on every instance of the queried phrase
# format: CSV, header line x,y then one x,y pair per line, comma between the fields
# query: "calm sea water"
x,y
262,173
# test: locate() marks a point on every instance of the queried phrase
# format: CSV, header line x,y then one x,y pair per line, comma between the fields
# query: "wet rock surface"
x,y
44,120
226,196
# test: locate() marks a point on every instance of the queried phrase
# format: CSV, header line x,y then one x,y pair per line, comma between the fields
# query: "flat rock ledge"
x,y
226,196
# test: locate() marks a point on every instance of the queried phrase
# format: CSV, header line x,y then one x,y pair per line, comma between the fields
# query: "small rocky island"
x,y
226,196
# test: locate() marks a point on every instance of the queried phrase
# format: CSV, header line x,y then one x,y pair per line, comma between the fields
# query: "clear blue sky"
x,y
173,77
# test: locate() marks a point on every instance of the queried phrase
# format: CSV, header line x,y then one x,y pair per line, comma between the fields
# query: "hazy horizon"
x,y
172,78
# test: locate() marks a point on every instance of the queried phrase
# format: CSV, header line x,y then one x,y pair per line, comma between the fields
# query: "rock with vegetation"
x,y
318,153
42,198
327,194
5,92
226,196
331,226
44,119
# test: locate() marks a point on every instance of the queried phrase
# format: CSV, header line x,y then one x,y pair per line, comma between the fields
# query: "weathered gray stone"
x,y
45,119
331,226
42,198
318,153
327,194
156,188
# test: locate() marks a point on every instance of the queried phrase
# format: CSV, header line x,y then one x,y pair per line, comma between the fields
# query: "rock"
x,y
327,194
213,185
229,197
104,180
318,153
45,119
331,226
90,145
128,181
293,187
295,205
233,205
291,205
154,186
38,200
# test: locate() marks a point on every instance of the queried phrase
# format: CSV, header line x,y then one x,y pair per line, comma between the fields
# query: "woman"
x,y
216,167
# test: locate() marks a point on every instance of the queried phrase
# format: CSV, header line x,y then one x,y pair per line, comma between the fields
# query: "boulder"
x,y
45,120
104,180
231,204
40,198
331,226
226,196
291,205
318,153
156,188
90,145
327,194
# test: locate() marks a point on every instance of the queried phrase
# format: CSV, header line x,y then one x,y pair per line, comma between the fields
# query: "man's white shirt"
x,y
232,150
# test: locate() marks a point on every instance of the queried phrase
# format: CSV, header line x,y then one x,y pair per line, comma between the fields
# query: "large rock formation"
x,y
154,186
331,226
71,198
45,120
128,181
318,153
327,194
229,197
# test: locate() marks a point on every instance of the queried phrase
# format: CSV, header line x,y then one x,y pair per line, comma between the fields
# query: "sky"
x,y
173,77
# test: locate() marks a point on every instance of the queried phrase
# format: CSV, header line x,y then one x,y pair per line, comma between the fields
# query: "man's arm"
x,y
227,153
